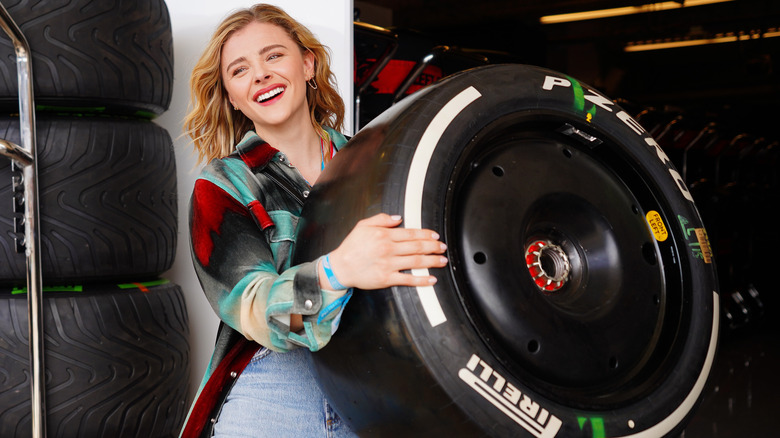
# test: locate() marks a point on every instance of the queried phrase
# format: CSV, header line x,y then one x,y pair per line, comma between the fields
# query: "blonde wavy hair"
x,y
212,123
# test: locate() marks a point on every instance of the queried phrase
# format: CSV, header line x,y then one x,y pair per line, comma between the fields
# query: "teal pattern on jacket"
x,y
242,229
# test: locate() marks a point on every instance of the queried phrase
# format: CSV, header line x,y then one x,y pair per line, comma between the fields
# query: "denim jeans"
x,y
277,395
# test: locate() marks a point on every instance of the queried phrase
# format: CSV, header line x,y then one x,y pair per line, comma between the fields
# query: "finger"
x,y
406,263
381,220
413,247
406,234
403,279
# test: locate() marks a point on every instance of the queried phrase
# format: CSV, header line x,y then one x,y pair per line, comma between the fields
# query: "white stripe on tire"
x,y
416,182
670,422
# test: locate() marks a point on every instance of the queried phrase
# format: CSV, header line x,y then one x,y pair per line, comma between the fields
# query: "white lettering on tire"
x,y
551,81
508,399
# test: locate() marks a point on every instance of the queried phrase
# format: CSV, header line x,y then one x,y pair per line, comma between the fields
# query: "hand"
x,y
375,252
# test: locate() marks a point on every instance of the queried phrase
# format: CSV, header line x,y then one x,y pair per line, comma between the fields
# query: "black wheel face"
x,y
573,320
555,263
578,297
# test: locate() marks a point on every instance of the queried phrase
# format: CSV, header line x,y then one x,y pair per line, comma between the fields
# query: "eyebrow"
x,y
263,51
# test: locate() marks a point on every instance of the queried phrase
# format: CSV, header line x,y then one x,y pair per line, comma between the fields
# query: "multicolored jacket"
x,y
243,216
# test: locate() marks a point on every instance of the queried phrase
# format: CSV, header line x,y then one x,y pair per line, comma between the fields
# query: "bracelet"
x,y
334,282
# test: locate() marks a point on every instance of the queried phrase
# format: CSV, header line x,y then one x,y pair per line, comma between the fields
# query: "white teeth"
x,y
270,94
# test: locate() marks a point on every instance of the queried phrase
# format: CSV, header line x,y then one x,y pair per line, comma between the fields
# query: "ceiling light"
x,y
642,46
628,10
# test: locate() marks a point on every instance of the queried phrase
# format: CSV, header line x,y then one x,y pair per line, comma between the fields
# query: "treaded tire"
x,y
117,361
95,56
496,159
108,201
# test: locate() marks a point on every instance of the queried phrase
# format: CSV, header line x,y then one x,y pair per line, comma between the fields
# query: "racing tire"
x,y
580,298
90,56
107,196
117,361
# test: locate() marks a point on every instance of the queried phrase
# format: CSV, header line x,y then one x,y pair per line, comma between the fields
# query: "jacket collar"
x,y
256,153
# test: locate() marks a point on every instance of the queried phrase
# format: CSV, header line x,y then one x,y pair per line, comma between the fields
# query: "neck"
x,y
300,142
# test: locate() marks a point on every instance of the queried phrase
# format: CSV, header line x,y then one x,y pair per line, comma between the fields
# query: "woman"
x,y
266,118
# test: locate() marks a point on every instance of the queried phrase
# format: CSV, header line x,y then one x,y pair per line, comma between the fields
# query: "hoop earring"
x,y
312,83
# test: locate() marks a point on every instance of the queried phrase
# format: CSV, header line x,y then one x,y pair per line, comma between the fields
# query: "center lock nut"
x,y
548,265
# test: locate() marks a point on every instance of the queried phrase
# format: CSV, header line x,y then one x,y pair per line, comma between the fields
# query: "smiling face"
x,y
264,73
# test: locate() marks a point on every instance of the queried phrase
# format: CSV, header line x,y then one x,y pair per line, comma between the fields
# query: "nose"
x,y
261,76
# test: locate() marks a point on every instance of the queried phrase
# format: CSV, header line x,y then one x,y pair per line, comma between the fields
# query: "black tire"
x,y
92,56
117,361
497,159
108,205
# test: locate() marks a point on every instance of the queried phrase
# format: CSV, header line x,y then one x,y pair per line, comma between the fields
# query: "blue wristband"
x,y
334,282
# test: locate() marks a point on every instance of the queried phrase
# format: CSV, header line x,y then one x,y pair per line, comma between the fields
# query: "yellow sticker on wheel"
x,y
657,225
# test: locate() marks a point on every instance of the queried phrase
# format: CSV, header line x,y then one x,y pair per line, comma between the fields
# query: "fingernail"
x,y
432,280
443,246
443,260
396,217
435,236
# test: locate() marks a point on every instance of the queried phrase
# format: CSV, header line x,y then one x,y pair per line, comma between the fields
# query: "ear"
x,y
232,102
308,63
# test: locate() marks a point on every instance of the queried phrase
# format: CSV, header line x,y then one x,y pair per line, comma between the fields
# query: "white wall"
x,y
193,22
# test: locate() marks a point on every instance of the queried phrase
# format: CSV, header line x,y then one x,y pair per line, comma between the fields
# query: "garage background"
x,y
684,69
711,73
723,72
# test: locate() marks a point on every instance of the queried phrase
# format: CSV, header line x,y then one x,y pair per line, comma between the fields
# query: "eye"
x,y
274,56
237,71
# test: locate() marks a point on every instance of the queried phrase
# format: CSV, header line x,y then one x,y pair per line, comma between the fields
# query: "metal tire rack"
x,y
27,226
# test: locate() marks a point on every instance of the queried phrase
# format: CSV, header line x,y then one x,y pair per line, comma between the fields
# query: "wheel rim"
x,y
555,264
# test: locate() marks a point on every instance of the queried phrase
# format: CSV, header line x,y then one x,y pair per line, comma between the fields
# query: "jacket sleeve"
x,y
250,289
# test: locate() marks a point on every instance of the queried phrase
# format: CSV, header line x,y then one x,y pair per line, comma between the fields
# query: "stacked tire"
x,y
115,333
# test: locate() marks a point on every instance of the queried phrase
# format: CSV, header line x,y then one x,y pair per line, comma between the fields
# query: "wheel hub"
x,y
548,265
